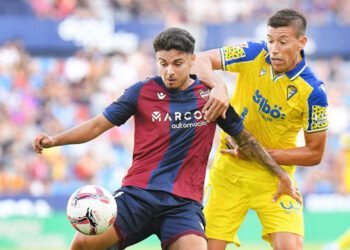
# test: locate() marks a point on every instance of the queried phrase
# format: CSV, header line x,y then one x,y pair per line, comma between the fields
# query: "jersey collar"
x,y
297,70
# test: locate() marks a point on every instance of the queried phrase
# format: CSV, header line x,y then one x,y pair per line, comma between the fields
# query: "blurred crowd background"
x,y
45,91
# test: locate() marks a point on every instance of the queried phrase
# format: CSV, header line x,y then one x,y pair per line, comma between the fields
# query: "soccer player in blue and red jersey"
x,y
162,191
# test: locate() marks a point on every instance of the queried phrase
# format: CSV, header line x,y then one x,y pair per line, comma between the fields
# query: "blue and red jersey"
x,y
172,140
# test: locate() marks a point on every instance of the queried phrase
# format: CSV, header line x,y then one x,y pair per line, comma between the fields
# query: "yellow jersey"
x,y
274,108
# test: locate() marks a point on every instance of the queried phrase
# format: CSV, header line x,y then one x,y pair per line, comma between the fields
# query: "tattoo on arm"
x,y
251,148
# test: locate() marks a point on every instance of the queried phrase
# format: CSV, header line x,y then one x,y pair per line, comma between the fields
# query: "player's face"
x,y
284,45
174,68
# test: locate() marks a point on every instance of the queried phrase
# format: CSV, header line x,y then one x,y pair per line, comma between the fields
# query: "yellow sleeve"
x,y
233,56
315,112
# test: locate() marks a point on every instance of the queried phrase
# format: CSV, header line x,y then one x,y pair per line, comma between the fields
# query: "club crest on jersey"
x,y
161,95
291,91
204,94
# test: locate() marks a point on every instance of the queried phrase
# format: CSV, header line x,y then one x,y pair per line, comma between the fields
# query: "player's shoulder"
x,y
257,46
150,80
317,86
311,79
146,82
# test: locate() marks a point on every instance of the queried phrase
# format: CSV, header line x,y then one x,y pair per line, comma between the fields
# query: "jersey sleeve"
x,y
124,107
315,114
233,55
233,124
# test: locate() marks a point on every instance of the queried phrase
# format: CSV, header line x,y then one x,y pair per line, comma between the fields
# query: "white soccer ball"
x,y
91,210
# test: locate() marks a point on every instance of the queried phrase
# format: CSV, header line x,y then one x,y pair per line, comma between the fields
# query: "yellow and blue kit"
x,y
274,108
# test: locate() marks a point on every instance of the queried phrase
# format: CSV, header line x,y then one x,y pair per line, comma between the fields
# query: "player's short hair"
x,y
288,17
174,38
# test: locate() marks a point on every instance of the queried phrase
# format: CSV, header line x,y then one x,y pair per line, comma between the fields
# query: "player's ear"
x,y
193,58
302,42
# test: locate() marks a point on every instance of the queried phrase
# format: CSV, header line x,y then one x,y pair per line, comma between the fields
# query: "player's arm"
x,y
218,101
252,149
116,114
79,134
315,124
308,155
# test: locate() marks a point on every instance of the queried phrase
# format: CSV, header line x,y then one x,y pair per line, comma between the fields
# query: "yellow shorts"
x,y
227,200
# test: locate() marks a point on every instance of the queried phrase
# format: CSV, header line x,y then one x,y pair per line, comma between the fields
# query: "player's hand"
x,y
217,104
42,141
233,149
286,187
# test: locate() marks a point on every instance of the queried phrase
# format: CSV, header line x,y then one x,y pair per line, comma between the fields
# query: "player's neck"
x,y
297,60
295,63
188,83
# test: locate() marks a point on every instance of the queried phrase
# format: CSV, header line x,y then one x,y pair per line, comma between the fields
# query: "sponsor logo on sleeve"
x,y
319,117
234,52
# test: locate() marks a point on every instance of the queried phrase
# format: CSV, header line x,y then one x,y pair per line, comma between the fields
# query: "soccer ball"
x,y
91,210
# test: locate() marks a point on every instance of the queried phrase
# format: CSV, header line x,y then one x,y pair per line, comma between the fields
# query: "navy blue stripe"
x,y
124,107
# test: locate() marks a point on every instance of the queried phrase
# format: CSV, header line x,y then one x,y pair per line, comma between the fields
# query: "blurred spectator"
x,y
193,11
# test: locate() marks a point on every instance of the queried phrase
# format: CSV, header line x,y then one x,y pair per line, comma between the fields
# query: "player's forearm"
x,y
80,134
251,148
301,156
232,124
203,68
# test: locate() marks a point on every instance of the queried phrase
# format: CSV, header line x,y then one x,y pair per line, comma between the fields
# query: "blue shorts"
x,y
142,213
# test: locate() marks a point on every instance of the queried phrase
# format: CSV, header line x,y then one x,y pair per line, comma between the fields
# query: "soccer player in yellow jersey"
x,y
276,95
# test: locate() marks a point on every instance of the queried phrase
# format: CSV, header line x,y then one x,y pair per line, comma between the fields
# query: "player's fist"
x,y
42,141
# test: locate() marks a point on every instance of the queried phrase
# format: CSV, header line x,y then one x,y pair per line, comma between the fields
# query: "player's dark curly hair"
x,y
287,17
174,38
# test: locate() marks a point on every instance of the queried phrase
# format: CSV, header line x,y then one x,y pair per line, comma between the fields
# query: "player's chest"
x,y
168,108
273,101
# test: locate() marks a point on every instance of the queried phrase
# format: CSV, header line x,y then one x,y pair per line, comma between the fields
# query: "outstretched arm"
x,y
79,134
218,101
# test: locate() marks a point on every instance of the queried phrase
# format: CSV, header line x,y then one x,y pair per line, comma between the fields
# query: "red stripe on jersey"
x,y
148,153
